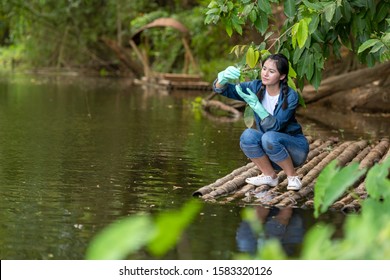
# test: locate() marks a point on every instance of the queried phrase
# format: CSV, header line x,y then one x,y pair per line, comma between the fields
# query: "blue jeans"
x,y
276,145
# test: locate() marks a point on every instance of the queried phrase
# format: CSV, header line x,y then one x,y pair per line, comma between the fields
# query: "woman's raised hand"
x,y
229,74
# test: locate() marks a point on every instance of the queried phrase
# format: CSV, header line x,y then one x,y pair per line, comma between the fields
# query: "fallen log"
x,y
234,114
348,80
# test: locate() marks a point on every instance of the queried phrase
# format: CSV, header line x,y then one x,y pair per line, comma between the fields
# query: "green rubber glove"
x,y
253,101
230,73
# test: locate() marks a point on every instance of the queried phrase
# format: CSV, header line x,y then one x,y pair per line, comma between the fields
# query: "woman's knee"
x,y
269,140
250,137
250,143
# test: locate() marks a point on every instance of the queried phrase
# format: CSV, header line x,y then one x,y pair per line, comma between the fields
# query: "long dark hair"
x,y
281,62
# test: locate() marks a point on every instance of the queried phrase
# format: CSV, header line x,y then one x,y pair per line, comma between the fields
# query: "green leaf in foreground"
x,y
170,226
249,116
122,238
367,44
317,243
367,236
332,183
377,182
272,250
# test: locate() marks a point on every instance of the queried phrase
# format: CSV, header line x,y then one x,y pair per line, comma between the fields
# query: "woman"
x,y
278,142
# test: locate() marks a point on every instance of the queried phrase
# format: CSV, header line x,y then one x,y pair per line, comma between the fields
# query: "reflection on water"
x,y
284,224
78,153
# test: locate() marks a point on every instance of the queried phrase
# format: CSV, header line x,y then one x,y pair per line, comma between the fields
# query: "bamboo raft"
x,y
232,187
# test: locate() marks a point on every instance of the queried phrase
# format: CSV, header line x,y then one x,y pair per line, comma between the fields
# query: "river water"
x,y
78,153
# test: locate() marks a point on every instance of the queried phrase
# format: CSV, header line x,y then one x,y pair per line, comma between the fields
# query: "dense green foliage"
x,y
312,31
68,34
62,33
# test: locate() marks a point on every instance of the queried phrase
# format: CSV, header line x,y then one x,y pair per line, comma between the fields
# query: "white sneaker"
x,y
294,184
263,180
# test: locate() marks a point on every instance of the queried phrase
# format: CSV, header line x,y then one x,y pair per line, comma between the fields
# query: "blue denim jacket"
x,y
281,121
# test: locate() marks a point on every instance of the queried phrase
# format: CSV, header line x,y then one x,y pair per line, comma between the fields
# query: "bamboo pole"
x,y
240,193
350,152
316,143
338,205
377,154
386,156
312,174
232,185
360,189
362,154
219,182
346,156
315,151
293,199
352,207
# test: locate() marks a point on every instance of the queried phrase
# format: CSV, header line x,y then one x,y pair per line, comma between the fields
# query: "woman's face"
x,y
269,73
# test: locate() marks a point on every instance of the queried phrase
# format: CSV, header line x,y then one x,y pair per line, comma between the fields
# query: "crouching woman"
x,y
278,141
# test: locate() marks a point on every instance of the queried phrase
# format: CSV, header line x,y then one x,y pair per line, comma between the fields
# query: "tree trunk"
x,y
346,81
121,53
